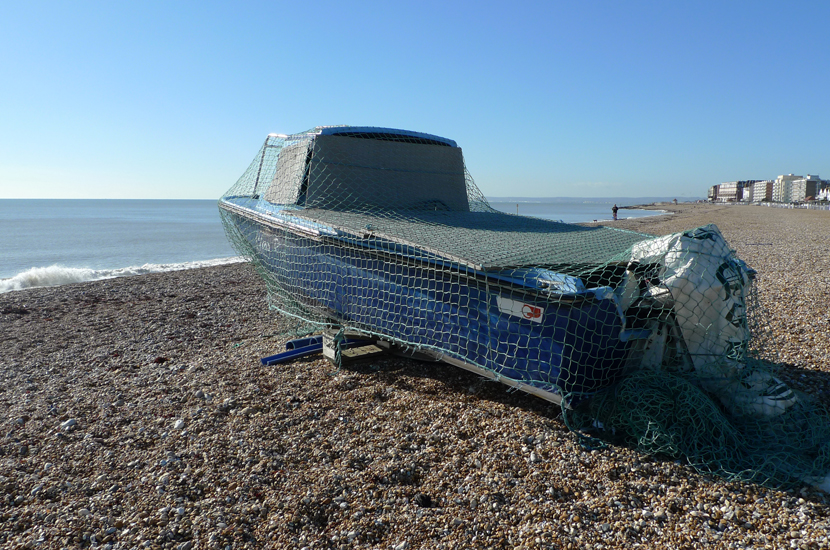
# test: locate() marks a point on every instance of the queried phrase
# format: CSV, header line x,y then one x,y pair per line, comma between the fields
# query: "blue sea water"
x,y
575,210
48,242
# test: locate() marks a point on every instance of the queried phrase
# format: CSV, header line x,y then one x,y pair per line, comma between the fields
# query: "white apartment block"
x,y
760,191
730,191
804,188
786,188
782,188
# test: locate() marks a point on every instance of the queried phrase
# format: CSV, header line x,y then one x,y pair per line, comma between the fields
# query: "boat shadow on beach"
x,y
812,383
399,372
404,374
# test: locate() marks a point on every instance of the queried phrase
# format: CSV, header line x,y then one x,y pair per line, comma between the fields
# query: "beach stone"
x,y
179,424
68,425
228,404
275,476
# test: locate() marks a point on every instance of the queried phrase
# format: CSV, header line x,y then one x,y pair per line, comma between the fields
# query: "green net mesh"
x,y
655,342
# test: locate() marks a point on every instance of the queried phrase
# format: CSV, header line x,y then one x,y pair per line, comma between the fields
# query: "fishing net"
x,y
651,341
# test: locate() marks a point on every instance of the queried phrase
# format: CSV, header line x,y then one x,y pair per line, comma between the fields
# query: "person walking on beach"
x,y
614,211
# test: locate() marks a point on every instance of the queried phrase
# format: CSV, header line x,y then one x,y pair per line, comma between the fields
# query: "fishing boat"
x,y
382,234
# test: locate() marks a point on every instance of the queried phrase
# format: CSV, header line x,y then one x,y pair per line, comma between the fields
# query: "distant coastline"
x,y
572,210
629,202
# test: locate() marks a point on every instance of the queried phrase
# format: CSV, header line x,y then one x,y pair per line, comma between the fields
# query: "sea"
x,y
576,210
51,242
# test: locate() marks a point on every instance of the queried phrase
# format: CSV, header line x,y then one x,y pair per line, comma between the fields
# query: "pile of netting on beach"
x,y
653,342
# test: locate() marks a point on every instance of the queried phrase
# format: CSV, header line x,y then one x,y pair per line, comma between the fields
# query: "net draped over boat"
x,y
653,341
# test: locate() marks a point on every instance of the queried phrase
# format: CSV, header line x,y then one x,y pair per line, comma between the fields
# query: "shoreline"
x,y
658,212
58,275
136,411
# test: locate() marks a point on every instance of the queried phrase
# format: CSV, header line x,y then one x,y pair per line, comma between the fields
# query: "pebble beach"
x,y
135,413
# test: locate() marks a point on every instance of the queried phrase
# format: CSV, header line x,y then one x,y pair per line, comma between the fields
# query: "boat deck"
x,y
486,241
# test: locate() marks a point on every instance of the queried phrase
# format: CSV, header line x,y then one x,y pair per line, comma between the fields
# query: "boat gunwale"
x,y
473,274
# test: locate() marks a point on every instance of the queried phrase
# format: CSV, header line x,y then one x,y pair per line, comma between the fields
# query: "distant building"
x,y
760,191
782,188
733,191
730,191
785,188
747,194
804,188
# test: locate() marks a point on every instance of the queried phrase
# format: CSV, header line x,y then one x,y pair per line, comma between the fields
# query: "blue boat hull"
x,y
574,350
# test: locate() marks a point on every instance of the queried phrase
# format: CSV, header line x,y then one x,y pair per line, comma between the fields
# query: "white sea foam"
x,y
56,275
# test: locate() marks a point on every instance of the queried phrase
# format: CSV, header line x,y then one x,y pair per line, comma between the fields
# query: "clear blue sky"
x,y
624,99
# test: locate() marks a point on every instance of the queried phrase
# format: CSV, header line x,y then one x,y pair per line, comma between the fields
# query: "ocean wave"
x,y
56,275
